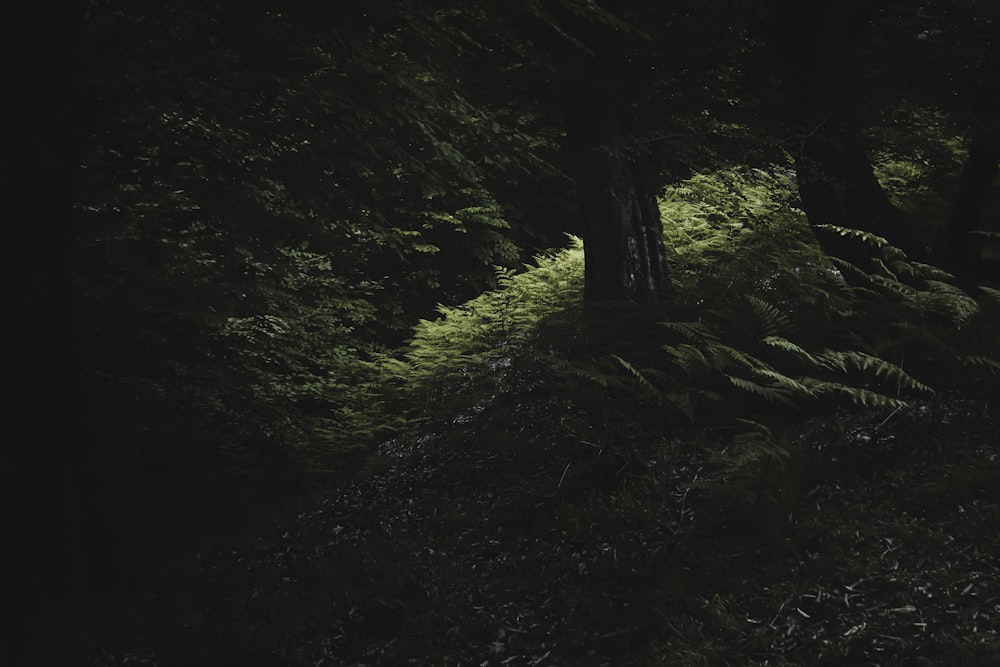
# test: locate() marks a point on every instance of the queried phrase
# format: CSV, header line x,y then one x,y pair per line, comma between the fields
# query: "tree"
x,y
270,195
596,74
622,231
816,47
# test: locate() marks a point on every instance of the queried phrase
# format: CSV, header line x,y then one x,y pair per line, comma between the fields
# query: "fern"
x,y
768,393
788,346
888,250
636,375
893,286
949,300
990,294
725,356
772,321
589,372
978,361
688,358
682,402
880,368
695,332
856,395
790,385
846,268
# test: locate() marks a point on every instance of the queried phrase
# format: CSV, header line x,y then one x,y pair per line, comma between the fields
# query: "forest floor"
x,y
499,537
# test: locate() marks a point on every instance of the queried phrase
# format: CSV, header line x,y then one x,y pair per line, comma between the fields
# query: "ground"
x,y
504,535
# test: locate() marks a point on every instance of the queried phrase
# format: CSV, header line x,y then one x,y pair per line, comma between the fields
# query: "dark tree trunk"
x,y
964,253
816,49
622,230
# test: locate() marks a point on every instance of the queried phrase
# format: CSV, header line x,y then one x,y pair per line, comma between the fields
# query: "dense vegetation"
x,y
662,277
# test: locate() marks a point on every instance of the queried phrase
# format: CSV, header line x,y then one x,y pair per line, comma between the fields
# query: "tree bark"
x,y
622,229
816,50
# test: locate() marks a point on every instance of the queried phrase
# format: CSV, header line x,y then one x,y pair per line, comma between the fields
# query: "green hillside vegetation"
x,y
776,466
547,332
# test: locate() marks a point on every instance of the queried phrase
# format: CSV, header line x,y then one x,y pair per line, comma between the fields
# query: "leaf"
x,y
772,321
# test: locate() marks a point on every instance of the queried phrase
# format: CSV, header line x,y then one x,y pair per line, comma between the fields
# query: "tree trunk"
x,y
622,230
816,51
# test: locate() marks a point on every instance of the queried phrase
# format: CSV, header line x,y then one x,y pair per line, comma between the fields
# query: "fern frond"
x,y
788,346
979,361
723,356
893,286
857,395
708,395
781,380
880,368
769,394
636,375
850,269
991,294
755,425
688,357
772,321
695,332
951,300
587,371
882,265
682,402
874,240
911,269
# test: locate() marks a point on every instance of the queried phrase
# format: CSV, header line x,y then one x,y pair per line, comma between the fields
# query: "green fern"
x,y
950,301
979,361
695,332
688,358
770,394
876,366
888,250
788,384
856,395
772,321
990,294
788,346
636,375
726,356
893,286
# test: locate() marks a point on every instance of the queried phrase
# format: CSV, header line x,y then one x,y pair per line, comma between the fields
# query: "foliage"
x,y
268,199
761,326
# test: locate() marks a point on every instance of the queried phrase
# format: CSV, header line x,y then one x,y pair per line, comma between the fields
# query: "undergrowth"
x,y
760,331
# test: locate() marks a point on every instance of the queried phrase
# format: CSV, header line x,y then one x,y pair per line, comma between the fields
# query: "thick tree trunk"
x,y
816,51
837,186
622,230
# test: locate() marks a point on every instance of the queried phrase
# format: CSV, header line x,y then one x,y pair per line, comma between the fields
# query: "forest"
x,y
526,332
